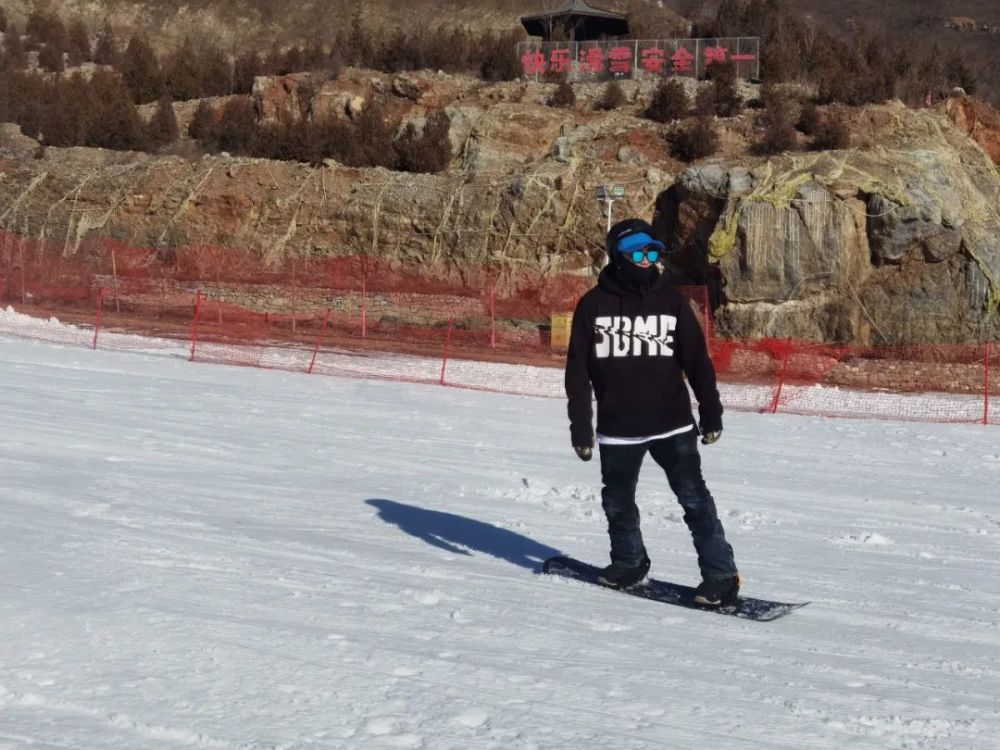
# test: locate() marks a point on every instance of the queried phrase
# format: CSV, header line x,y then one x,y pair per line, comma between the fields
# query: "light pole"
x,y
609,194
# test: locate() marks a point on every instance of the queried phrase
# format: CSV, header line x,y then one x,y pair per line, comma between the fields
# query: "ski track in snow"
x,y
197,556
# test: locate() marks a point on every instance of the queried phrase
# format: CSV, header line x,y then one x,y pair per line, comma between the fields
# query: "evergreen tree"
x,y
50,58
361,45
292,61
116,124
182,73
15,56
106,49
37,28
372,144
306,142
141,70
237,126
162,128
81,102
78,45
216,72
28,110
66,112
247,66
202,125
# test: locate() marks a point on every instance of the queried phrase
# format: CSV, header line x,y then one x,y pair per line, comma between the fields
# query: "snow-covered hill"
x,y
206,556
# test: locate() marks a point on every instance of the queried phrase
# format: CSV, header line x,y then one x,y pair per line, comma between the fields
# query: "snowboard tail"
x,y
747,608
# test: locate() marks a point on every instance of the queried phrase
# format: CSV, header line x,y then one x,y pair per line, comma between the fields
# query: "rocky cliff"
x,y
896,239
895,243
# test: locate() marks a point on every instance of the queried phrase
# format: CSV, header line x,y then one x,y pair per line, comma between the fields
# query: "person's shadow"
x,y
462,535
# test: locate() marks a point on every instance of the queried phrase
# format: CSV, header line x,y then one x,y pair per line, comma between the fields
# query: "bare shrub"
x,y
613,97
779,116
670,102
832,133
695,140
564,96
430,151
808,118
500,61
725,99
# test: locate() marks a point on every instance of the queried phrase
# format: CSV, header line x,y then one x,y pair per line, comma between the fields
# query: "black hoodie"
x,y
633,339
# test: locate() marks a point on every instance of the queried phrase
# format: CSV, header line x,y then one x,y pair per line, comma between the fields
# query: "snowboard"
x,y
744,607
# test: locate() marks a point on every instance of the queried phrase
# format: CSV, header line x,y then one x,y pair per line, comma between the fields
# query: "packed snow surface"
x,y
198,556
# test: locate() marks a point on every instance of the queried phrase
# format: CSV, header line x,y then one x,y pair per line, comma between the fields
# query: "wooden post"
x,y
773,408
493,317
319,339
364,308
114,276
100,311
986,385
194,324
447,350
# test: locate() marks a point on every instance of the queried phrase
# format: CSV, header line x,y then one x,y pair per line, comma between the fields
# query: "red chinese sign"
x,y
653,60
683,57
682,61
592,60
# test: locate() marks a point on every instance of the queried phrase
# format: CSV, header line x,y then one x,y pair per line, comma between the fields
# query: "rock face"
x,y
894,245
979,120
899,242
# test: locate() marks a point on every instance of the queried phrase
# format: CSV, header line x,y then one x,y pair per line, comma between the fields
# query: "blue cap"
x,y
632,234
639,241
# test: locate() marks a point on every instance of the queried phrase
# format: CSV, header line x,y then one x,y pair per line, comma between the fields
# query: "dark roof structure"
x,y
580,21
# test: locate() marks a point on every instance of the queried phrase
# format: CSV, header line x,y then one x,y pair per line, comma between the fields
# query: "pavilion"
x,y
580,21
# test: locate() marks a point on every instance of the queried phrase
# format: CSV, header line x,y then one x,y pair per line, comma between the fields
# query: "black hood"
x,y
622,276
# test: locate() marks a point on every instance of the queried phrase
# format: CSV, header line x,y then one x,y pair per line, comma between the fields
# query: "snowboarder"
x,y
633,339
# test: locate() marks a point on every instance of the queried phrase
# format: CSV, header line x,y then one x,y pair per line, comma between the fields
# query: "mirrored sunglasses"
x,y
639,246
651,253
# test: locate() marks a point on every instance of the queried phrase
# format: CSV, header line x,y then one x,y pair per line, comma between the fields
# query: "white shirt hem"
x,y
609,440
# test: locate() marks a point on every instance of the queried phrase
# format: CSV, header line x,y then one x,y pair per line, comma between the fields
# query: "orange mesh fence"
x,y
468,327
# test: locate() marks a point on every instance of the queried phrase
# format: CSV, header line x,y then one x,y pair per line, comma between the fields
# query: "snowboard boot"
x,y
718,591
621,576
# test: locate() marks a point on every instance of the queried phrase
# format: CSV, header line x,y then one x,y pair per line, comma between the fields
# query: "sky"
x,y
198,555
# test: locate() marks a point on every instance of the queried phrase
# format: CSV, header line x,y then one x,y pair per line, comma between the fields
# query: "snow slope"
x,y
216,557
